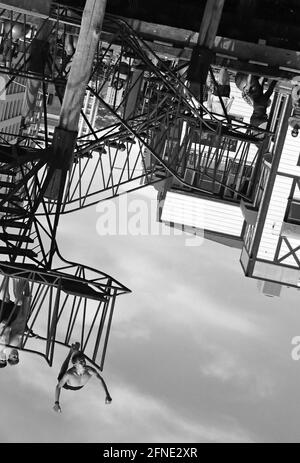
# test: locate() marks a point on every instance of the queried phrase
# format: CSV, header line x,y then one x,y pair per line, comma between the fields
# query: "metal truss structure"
x,y
157,131
69,303
149,128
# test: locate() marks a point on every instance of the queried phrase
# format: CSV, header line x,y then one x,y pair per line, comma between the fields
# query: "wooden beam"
x,y
202,54
82,62
187,39
224,59
153,31
256,69
245,51
40,8
259,59
210,23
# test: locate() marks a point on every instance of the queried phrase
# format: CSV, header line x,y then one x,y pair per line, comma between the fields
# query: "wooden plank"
x,y
210,23
182,42
204,214
78,78
273,56
40,8
256,69
170,34
82,62
222,59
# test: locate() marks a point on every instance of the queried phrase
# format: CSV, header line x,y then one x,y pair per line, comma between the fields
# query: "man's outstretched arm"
x,y
94,372
59,385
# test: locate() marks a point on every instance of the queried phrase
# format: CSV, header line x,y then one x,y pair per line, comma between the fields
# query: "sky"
x,y
196,353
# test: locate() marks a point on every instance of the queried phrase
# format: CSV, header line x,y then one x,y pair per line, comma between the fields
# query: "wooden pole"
x,y
82,63
210,23
202,55
65,134
64,138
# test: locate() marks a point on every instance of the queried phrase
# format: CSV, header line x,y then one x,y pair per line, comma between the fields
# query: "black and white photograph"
x,y
149,224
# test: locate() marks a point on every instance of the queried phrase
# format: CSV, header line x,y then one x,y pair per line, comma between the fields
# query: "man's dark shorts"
x,y
72,388
8,311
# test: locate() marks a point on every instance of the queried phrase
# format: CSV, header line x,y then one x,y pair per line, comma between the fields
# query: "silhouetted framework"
x,y
77,303
148,124
71,302
149,127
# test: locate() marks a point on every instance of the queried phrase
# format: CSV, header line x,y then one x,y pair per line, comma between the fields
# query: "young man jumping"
x,y
77,376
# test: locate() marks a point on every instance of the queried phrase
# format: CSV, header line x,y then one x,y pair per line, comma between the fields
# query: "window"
x,y
294,212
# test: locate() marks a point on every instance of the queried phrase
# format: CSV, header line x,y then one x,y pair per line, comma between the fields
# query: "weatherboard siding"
x,y
203,213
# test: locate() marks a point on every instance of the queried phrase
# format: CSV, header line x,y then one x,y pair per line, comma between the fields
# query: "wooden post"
x,y
82,63
64,138
202,54
66,133
210,23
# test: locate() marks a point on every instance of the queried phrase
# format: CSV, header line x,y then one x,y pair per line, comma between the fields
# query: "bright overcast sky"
x,y
196,353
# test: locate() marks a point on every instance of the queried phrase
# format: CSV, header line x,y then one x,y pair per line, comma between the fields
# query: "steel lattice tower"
x,y
149,128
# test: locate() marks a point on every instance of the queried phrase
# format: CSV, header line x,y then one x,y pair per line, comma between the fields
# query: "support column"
x,y
82,63
64,139
202,55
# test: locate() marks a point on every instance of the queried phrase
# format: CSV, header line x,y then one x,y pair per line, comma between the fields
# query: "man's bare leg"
x,y
4,289
22,295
